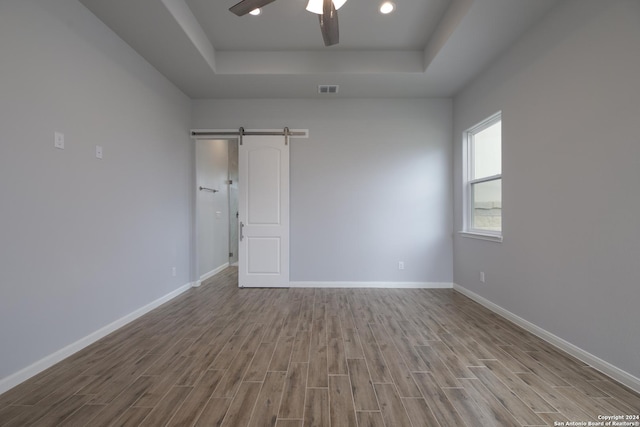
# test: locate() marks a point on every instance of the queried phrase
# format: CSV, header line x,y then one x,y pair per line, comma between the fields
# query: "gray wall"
x,y
212,208
569,93
369,188
84,241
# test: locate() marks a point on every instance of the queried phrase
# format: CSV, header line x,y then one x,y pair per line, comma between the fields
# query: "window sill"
x,y
480,236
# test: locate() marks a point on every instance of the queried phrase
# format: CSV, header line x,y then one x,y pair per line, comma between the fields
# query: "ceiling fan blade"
x,y
329,23
246,6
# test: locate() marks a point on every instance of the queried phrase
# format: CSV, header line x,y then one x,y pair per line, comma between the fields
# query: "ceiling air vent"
x,y
328,89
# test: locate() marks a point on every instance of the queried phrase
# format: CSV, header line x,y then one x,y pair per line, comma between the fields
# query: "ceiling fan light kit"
x,y
315,6
327,14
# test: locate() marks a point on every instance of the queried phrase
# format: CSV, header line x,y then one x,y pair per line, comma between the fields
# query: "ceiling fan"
x,y
328,15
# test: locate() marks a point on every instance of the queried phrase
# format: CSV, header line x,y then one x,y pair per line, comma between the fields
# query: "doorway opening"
x,y
216,205
253,222
232,150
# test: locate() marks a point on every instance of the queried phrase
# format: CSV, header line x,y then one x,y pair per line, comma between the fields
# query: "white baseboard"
x,y
50,360
594,361
213,272
390,285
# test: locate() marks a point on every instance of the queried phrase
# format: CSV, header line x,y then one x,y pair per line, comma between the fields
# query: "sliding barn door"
x,y
264,212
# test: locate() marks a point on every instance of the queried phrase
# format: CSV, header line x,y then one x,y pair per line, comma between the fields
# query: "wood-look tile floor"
x,y
222,356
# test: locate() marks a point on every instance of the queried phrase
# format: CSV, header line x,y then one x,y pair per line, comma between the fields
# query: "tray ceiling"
x,y
425,48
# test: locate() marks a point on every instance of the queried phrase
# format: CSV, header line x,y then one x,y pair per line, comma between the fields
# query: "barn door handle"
x,y
241,231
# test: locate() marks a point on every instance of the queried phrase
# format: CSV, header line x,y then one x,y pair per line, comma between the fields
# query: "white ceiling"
x,y
425,48
286,25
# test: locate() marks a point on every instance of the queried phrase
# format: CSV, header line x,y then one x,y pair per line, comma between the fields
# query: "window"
x,y
483,180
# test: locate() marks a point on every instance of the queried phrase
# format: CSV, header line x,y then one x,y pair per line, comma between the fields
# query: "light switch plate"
x,y
98,151
58,140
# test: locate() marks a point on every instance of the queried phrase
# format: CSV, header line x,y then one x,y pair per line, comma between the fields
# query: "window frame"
x,y
468,168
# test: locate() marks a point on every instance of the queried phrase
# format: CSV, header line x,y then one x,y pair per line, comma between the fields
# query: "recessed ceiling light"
x,y
387,7
255,12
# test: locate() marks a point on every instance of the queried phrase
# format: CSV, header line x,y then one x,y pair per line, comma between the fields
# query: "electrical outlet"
x,y
400,265
173,272
482,277
58,140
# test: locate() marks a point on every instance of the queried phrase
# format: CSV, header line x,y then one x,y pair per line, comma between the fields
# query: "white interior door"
x,y
264,212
